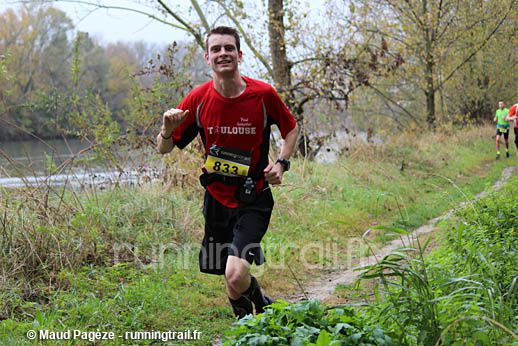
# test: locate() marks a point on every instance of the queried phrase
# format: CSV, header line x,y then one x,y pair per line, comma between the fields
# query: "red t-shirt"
x,y
513,111
241,123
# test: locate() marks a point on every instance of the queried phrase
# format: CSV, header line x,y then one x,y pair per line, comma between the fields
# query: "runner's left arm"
x,y
287,125
274,171
289,143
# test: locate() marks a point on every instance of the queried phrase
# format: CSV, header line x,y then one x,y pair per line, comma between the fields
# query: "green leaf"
x,y
396,230
323,339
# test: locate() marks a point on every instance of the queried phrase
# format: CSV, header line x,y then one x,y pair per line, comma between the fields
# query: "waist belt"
x,y
208,178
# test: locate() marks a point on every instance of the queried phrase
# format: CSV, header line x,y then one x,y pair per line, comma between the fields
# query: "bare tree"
x,y
322,72
429,33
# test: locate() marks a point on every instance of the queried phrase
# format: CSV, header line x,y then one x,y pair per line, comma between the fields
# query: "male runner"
x,y
502,128
233,115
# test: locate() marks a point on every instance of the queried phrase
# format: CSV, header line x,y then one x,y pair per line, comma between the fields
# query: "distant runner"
x,y
502,128
512,116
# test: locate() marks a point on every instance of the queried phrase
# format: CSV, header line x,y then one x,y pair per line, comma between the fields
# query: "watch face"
x,y
285,164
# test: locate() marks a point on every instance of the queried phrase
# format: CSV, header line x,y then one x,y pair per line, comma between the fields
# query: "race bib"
x,y
503,129
227,161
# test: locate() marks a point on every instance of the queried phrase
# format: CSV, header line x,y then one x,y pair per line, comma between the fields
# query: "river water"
x,y
34,162
31,156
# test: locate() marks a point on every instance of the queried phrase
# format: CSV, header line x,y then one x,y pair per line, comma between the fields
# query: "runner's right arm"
x,y
171,119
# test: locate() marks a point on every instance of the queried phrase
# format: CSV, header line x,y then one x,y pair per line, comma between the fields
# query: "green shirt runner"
x,y
500,115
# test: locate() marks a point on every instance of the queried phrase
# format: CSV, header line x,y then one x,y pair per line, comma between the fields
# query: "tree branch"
x,y
246,38
412,16
188,28
410,115
201,15
314,58
482,45
109,7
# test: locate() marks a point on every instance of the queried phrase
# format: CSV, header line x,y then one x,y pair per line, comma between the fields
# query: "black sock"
x,y
256,296
241,306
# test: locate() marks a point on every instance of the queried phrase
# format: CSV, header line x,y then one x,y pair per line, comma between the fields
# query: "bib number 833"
x,y
225,168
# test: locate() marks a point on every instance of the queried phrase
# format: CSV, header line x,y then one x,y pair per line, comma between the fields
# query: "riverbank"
x,y
125,259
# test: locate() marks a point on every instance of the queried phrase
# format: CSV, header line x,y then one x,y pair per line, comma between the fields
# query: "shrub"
x,y
306,323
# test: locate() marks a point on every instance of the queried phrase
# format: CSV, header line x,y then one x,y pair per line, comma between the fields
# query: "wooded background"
x,y
381,65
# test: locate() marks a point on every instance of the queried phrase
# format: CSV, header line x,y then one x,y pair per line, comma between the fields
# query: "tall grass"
x,y
64,252
445,298
408,299
463,293
45,229
403,182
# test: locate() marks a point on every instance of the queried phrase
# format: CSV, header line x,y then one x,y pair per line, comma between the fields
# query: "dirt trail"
x,y
324,286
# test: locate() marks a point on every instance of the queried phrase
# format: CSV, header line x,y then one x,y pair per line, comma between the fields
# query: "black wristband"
x,y
284,163
161,135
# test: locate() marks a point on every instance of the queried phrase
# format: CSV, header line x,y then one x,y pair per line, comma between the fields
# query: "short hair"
x,y
223,30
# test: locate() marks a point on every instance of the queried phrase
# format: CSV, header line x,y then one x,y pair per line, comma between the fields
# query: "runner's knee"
x,y
236,272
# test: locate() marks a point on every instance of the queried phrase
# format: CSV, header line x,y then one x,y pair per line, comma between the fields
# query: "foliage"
x,y
465,291
448,63
34,66
160,85
451,49
479,270
312,63
310,72
410,308
75,254
306,323
56,67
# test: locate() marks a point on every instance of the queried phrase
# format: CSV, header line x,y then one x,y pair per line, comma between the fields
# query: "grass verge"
x,y
463,292
125,259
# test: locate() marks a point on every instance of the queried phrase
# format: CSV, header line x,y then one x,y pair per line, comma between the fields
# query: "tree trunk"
x,y
429,67
430,91
282,67
430,108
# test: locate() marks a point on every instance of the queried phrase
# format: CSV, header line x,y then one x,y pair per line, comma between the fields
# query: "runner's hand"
x,y
273,173
172,119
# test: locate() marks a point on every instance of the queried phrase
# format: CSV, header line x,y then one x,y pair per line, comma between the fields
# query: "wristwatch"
x,y
285,163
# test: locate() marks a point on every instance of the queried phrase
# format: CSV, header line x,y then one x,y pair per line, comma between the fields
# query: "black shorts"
x,y
234,232
502,131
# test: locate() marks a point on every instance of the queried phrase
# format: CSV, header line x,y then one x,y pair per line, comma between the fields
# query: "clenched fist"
x,y
172,119
273,173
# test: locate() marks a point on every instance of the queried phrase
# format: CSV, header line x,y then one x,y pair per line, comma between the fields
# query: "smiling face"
x,y
222,54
